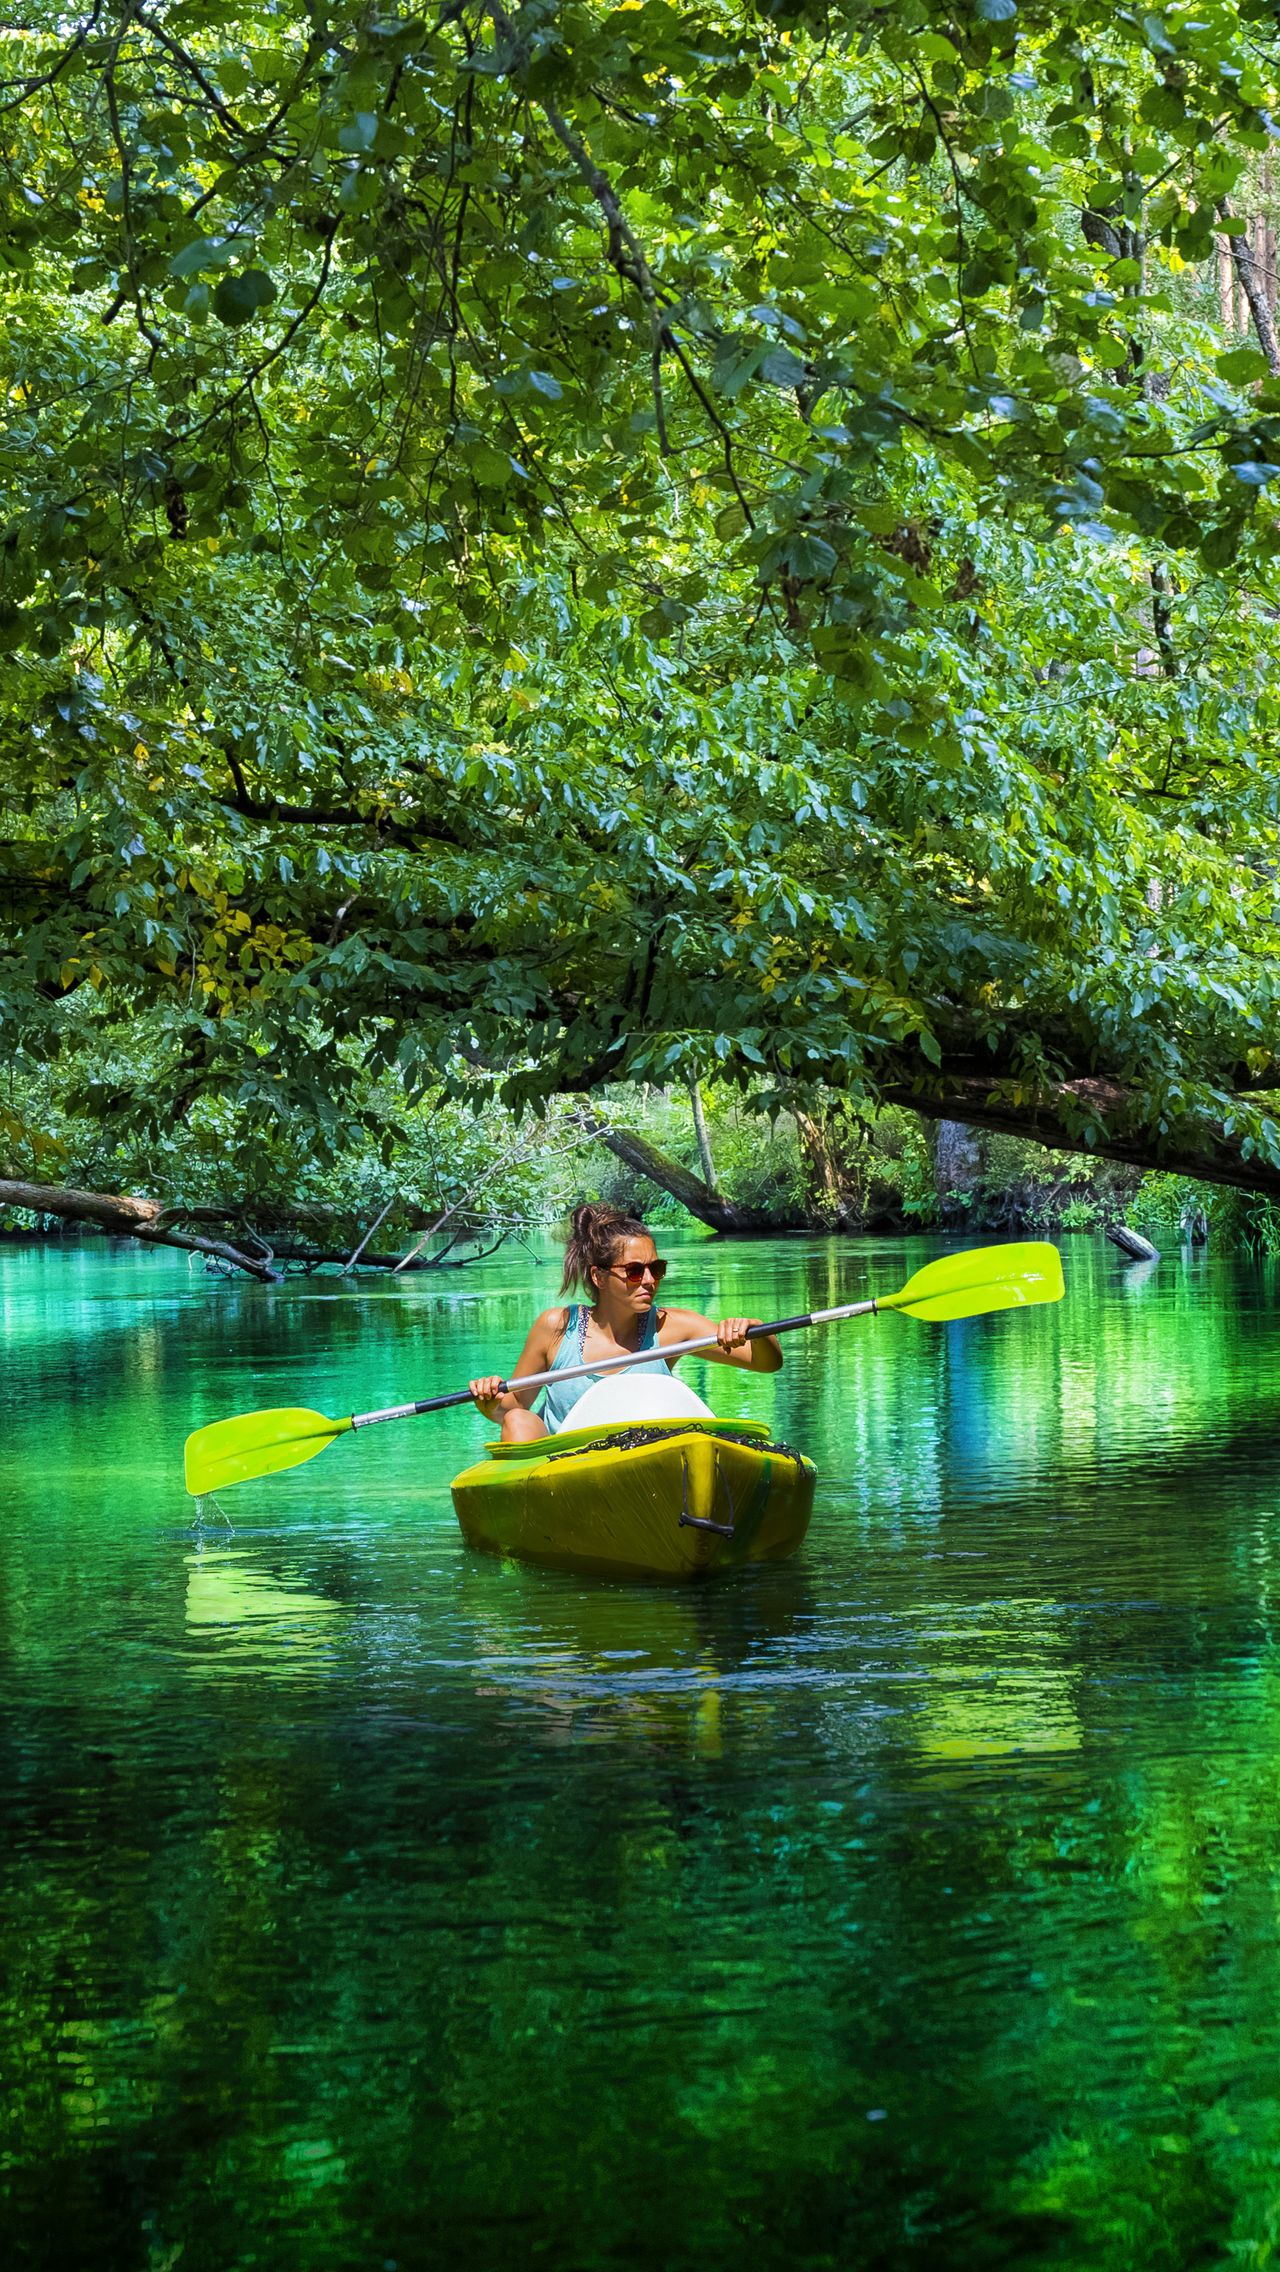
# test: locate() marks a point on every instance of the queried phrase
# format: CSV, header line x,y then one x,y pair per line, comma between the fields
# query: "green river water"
x,y
364,1903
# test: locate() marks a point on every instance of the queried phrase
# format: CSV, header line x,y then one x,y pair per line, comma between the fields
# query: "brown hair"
x,y
597,1234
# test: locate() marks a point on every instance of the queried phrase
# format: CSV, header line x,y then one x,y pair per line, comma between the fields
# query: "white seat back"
x,y
623,1399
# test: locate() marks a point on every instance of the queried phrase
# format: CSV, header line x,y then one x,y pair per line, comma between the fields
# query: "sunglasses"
x,y
634,1272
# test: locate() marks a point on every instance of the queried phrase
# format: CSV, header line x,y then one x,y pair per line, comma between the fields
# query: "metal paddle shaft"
x,y
614,1364
968,1284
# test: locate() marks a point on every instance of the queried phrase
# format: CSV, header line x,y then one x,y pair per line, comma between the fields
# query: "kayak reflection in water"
x,y
614,1258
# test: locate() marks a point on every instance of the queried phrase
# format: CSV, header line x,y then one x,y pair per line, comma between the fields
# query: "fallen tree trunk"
x,y
128,1217
644,1158
1132,1243
314,1257
278,1214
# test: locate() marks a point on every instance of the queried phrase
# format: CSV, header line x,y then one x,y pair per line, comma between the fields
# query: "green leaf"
x,y
202,252
659,622
239,298
359,133
1109,352
1242,366
809,557
737,361
782,369
1220,544
491,467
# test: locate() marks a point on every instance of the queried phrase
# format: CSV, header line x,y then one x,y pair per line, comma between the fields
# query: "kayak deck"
x,y
677,1500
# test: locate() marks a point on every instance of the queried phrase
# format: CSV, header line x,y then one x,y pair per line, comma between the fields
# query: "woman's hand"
x,y
491,1395
761,1355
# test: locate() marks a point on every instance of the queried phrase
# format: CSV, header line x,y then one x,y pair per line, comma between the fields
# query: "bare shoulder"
x,y
542,1340
683,1325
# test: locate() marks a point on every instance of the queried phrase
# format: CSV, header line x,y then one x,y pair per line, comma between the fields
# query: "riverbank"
x,y
670,1156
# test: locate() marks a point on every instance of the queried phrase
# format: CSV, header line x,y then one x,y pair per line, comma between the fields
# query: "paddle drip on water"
x,y
204,1501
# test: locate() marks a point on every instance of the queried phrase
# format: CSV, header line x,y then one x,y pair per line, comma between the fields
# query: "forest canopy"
x,y
571,544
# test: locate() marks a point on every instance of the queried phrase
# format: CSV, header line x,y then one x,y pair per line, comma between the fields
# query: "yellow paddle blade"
x,y
255,1443
983,1278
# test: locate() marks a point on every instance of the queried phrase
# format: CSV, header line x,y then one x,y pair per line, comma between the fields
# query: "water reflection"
x,y
615,1664
1138,1277
239,1615
994,1689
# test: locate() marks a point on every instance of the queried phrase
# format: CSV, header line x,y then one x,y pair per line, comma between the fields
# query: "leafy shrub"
x,y
1080,1214
1178,1205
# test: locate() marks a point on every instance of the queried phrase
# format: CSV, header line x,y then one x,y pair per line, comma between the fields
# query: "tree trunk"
x,y
644,1158
128,1217
1267,237
841,1184
290,1251
1132,1243
955,1165
704,1140
1226,288
1250,279
146,1220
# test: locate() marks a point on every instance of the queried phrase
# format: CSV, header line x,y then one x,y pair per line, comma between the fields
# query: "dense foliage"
x,y
599,542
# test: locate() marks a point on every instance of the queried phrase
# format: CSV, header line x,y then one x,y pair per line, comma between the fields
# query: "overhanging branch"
x,y
1053,1118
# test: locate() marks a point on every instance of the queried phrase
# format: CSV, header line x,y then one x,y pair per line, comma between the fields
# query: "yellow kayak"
x,y
674,1500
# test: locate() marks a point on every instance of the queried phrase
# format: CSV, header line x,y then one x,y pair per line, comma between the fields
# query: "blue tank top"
x,y
559,1397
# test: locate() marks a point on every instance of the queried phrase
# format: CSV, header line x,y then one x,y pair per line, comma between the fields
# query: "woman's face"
x,y
611,1284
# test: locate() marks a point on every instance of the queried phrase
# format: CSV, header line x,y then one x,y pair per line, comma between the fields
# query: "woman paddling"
x,y
613,1258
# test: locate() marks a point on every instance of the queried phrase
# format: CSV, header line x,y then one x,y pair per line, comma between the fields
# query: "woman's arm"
x,y
540,1347
733,1347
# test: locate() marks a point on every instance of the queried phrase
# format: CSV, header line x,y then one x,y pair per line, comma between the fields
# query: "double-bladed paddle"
x,y
960,1285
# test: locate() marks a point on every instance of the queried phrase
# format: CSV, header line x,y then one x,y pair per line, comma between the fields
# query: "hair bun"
x,y
598,1231
595,1215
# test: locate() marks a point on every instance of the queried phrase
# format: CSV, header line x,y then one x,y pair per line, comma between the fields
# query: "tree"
x,y
593,548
